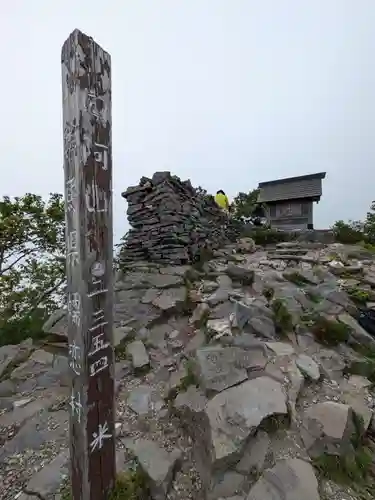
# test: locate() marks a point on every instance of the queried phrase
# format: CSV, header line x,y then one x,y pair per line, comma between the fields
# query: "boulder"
x,y
223,367
138,354
246,245
171,299
291,479
255,454
236,413
308,367
158,464
10,355
328,428
358,333
240,274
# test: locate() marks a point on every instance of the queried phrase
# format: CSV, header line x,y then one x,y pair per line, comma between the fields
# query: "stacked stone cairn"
x,y
171,222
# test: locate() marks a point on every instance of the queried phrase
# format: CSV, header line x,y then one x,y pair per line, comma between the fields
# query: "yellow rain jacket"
x,y
222,201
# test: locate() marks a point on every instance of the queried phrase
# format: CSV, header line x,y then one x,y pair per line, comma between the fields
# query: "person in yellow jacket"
x,y
222,200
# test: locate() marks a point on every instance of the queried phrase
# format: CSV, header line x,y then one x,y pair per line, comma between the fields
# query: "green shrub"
x,y
360,297
349,233
369,225
268,293
296,278
330,332
348,469
130,485
263,236
282,317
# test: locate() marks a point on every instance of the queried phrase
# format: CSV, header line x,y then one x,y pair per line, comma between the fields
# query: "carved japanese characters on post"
x,y
86,88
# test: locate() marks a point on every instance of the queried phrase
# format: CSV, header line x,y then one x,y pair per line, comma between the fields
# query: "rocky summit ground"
x,y
246,377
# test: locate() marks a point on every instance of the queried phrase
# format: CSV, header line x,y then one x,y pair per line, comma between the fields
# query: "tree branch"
x,y
22,256
45,294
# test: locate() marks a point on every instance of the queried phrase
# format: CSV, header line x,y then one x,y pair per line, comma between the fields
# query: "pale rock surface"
x,y
291,479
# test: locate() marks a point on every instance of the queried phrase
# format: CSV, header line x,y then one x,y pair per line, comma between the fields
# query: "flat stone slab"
x,y
223,367
22,413
138,353
170,299
292,479
236,413
11,354
140,400
308,367
36,431
47,481
359,333
255,454
328,427
280,348
158,464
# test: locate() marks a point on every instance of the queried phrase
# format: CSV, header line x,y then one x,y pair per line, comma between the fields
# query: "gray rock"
x,y
200,313
308,367
190,406
150,295
221,368
264,327
158,464
241,274
120,333
245,341
217,371
122,369
220,295
358,333
219,327
175,270
292,479
42,427
331,363
246,245
286,443
47,482
296,381
226,485
356,395
257,317
7,388
222,311
255,454
166,280
209,286
328,307
335,296
140,400
170,299
9,356
309,276
138,353
237,412
328,427
42,357
198,341
293,298
224,281
57,323
280,348
19,415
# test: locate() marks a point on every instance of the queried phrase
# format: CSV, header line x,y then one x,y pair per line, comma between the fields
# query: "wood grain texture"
x,y
86,88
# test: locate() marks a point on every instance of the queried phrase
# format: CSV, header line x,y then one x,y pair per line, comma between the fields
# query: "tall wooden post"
x,y
86,86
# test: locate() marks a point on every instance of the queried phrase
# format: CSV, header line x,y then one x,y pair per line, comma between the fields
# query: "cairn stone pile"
x,y
171,221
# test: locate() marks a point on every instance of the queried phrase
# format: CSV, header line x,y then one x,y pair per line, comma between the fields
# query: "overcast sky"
x,y
227,93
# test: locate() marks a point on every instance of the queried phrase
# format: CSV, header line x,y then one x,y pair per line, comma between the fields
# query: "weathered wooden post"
x,y
86,86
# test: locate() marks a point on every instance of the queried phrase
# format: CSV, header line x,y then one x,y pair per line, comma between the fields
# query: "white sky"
x,y
227,93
